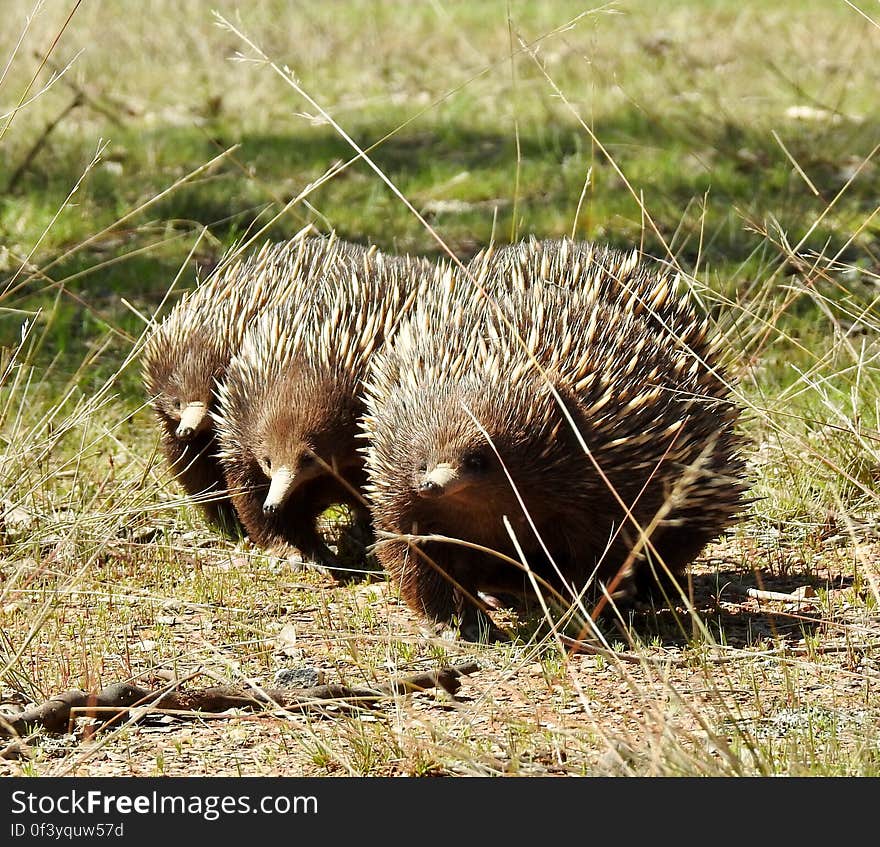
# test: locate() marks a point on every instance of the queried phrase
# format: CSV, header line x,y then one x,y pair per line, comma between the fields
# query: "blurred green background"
x,y
734,139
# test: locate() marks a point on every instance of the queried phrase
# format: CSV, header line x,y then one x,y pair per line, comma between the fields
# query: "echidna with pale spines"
x,y
190,349
288,409
625,275
466,440
563,262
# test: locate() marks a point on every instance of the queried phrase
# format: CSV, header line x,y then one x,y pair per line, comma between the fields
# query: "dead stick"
x,y
88,99
760,594
38,144
15,750
55,714
218,698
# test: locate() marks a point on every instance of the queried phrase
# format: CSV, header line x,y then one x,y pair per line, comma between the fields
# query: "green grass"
x,y
690,126
738,144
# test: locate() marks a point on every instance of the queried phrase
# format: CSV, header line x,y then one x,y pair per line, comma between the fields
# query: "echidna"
x,y
467,438
566,263
190,349
287,416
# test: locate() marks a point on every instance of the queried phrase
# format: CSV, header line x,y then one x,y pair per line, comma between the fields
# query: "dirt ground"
x,y
722,692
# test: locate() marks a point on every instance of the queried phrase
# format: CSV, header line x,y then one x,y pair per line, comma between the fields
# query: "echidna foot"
x,y
295,559
474,624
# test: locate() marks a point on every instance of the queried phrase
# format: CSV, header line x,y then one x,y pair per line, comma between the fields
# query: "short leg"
x,y
199,472
677,547
474,624
316,554
429,589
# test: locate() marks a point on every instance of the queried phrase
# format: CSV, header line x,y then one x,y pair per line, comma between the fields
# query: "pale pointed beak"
x,y
279,489
441,481
193,419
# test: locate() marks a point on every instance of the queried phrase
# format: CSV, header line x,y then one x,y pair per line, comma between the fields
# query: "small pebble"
x,y
298,677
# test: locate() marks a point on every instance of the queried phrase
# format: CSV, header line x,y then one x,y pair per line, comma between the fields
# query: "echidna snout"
x,y
193,419
285,479
279,489
445,479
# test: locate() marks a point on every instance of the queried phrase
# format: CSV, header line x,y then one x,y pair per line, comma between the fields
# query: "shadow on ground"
x,y
721,600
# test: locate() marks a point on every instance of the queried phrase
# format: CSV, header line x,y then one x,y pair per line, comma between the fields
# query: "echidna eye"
x,y
306,460
267,462
475,462
423,467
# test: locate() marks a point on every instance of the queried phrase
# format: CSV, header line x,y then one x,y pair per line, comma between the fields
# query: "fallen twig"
x,y
88,99
115,700
15,750
19,172
805,596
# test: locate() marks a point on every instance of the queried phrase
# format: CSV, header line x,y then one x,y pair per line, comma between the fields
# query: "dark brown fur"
x,y
292,398
304,420
660,430
189,352
175,375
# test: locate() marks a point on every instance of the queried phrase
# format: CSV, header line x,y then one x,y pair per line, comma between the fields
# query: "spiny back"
x,y
322,338
582,288
209,323
614,275
641,395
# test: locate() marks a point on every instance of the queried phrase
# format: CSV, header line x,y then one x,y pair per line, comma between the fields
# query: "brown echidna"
x,y
190,349
467,439
288,409
565,263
